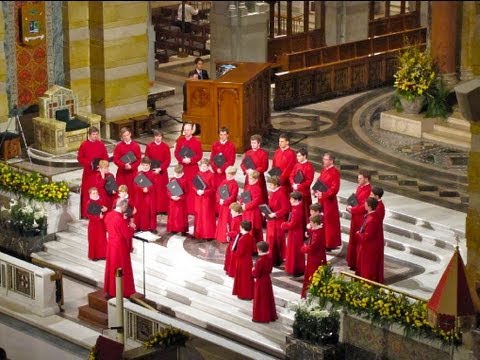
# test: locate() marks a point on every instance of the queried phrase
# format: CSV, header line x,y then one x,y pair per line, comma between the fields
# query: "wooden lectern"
x,y
238,99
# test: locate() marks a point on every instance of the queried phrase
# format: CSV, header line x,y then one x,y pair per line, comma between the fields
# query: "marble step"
x,y
453,127
459,141
456,118
93,316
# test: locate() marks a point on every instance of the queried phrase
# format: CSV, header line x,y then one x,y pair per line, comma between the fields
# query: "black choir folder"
x,y
219,160
94,208
111,185
246,197
352,200
320,186
275,171
186,152
142,180
265,210
223,192
95,163
298,177
128,158
248,163
199,183
155,164
174,188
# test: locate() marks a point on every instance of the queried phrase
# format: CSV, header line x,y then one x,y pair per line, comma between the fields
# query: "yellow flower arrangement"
x,y
416,73
380,306
32,185
168,336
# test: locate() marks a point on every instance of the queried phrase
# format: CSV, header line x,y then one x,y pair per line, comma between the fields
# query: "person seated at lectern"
x,y
199,70
189,11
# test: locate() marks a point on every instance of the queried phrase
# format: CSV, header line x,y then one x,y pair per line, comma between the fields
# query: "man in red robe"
x,y
146,215
330,176
227,149
204,199
190,164
177,208
370,240
294,258
251,212
377,193
118,250
159,152
264,309
301,179
259,157
358,212
279,203
127,170
97,237
91,149
242,247
284,159
224,213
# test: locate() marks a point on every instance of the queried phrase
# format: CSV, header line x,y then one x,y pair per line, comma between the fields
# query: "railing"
x,y
395,23
296,42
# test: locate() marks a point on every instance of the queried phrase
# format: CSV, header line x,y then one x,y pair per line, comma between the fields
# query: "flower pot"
x,y
413,106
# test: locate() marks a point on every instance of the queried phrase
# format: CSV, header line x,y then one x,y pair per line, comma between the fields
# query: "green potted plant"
x,y
414,78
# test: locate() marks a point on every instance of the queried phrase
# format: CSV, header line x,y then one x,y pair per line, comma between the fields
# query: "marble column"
x,y
118,60
475,46
345,21
444,16
234,30
468,27
3,72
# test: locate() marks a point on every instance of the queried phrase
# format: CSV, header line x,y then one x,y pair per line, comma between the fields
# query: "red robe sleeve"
x,y
308,174
295,220
333,183
362,195
283,204
256,195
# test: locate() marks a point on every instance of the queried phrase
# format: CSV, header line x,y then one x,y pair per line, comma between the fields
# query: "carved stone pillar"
x,y
475,46
468,28
444,16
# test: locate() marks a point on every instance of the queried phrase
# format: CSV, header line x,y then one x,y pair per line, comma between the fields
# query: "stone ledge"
x,y
406,124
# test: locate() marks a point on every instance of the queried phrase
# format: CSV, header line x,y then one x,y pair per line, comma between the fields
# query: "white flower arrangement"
x,y
24,215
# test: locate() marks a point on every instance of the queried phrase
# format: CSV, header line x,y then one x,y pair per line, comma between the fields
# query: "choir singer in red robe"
x,y
204,199
242,247
222,150
97,237
224,201
301,179
377,193
118,251
294,258
284,159
257,160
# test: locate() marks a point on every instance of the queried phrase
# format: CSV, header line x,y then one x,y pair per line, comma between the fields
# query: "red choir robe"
x,y
253,214
331,217
294,258
177,210
285,160
125,217
97,236
224,210
304,187
230,265
260,159
146,216
316,255
243,281
88,151
229,152
105,197
161,153
380,211
191,169
204,223
118,254
126,176
279,203
358,212
264,309
371,248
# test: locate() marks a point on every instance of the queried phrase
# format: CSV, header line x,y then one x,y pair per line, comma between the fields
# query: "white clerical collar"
x,y
158,143
128,143
188,137
177,176
92,140
286,147
276,189
329,167
223,142
303,162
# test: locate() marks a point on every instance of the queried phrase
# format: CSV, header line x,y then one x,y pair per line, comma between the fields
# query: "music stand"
x,y
18,125
144,240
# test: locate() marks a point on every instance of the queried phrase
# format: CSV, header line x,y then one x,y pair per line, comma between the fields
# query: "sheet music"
x,y
147,236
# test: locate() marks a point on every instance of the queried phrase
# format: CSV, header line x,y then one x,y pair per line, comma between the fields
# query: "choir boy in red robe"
x,y
204,224
159,151
227,149
294,258
100,181
285,159
89,150
330,176
301,179
251,212
190,164
279,203
371,243
146,216
315,209
377,193
131,211
314,249
259,158
358,212
224,204
177,207
230,265
97,237
118,251
127,170
264,309
242,247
